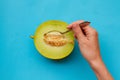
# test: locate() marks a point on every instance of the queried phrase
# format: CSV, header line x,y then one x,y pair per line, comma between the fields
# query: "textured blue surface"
x,y
19,60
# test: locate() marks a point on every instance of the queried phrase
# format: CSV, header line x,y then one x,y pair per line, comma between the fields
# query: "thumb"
x,y
78,31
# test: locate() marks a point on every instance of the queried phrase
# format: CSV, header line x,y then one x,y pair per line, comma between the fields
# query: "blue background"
x,y
19,60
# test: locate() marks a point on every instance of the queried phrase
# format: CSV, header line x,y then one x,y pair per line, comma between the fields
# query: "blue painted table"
x,y
19,60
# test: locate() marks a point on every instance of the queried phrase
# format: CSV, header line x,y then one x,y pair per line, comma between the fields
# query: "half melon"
x,y
53,46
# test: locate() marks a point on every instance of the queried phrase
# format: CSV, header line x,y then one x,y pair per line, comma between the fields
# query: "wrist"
x,y
96,63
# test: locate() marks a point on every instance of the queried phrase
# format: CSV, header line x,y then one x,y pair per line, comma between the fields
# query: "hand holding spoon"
x,y
83,24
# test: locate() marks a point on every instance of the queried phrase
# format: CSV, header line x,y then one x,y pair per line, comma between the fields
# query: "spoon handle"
x,y
83,24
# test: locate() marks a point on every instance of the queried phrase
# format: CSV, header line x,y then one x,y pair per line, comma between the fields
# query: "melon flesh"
x,y
54,46
55,39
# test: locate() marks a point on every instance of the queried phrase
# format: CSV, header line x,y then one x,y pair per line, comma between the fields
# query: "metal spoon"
x,y
83,24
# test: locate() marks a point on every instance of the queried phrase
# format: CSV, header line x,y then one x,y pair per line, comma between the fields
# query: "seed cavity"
x,y
55,39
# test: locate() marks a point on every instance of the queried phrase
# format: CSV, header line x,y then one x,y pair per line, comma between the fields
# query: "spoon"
x,y
83,24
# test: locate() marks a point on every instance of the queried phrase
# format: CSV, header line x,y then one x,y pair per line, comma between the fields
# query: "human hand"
x,y
88,40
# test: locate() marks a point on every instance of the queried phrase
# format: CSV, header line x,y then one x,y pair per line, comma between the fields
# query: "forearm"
x,y
100,70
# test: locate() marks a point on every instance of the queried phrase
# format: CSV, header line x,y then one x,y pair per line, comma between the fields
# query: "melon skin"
x,y
53,52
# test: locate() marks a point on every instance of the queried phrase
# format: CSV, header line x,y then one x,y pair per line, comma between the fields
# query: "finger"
x,y
75,36
85,27
77,31
89,31
77,22
69,26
